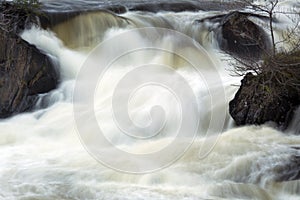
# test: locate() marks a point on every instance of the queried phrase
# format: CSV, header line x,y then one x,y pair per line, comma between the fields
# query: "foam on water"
x,y
42,156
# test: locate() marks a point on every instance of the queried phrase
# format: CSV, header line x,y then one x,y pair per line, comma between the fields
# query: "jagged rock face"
x,y
242,38
24,73
254,103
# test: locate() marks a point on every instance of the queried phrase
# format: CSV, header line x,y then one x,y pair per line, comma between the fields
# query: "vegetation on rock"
x,y
271,89
16,15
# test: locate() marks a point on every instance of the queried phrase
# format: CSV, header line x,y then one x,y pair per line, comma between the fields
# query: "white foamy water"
x,y
42,155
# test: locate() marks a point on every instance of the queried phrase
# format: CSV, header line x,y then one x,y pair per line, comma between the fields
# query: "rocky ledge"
x,y
239,36
254,103
25,72
272,95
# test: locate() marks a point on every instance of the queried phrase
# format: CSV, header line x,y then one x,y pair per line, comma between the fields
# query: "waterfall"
x,y
56,152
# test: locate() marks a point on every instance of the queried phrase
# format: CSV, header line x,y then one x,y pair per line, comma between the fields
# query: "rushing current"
x,y
45,154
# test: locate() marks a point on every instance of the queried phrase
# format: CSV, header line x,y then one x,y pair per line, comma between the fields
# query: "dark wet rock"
x,y
25,72
241,37
271,95
117,9
219,18
288,171
257,103
280,164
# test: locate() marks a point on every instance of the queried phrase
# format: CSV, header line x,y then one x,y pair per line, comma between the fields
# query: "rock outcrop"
x,y
257,102
241,37
25,72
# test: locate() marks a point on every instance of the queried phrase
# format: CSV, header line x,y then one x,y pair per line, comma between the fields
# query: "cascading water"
x,y
42,156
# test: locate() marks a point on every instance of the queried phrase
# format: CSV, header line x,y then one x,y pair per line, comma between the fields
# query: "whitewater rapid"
x,y
43,157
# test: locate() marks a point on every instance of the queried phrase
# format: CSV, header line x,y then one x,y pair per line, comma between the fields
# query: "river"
x,y
148,120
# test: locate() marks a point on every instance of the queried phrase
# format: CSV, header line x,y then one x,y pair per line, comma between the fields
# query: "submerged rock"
x,y
25,72
290,171
257,102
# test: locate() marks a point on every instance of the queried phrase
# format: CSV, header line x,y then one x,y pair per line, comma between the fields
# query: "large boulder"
x,y
257,102
25,72
241,37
